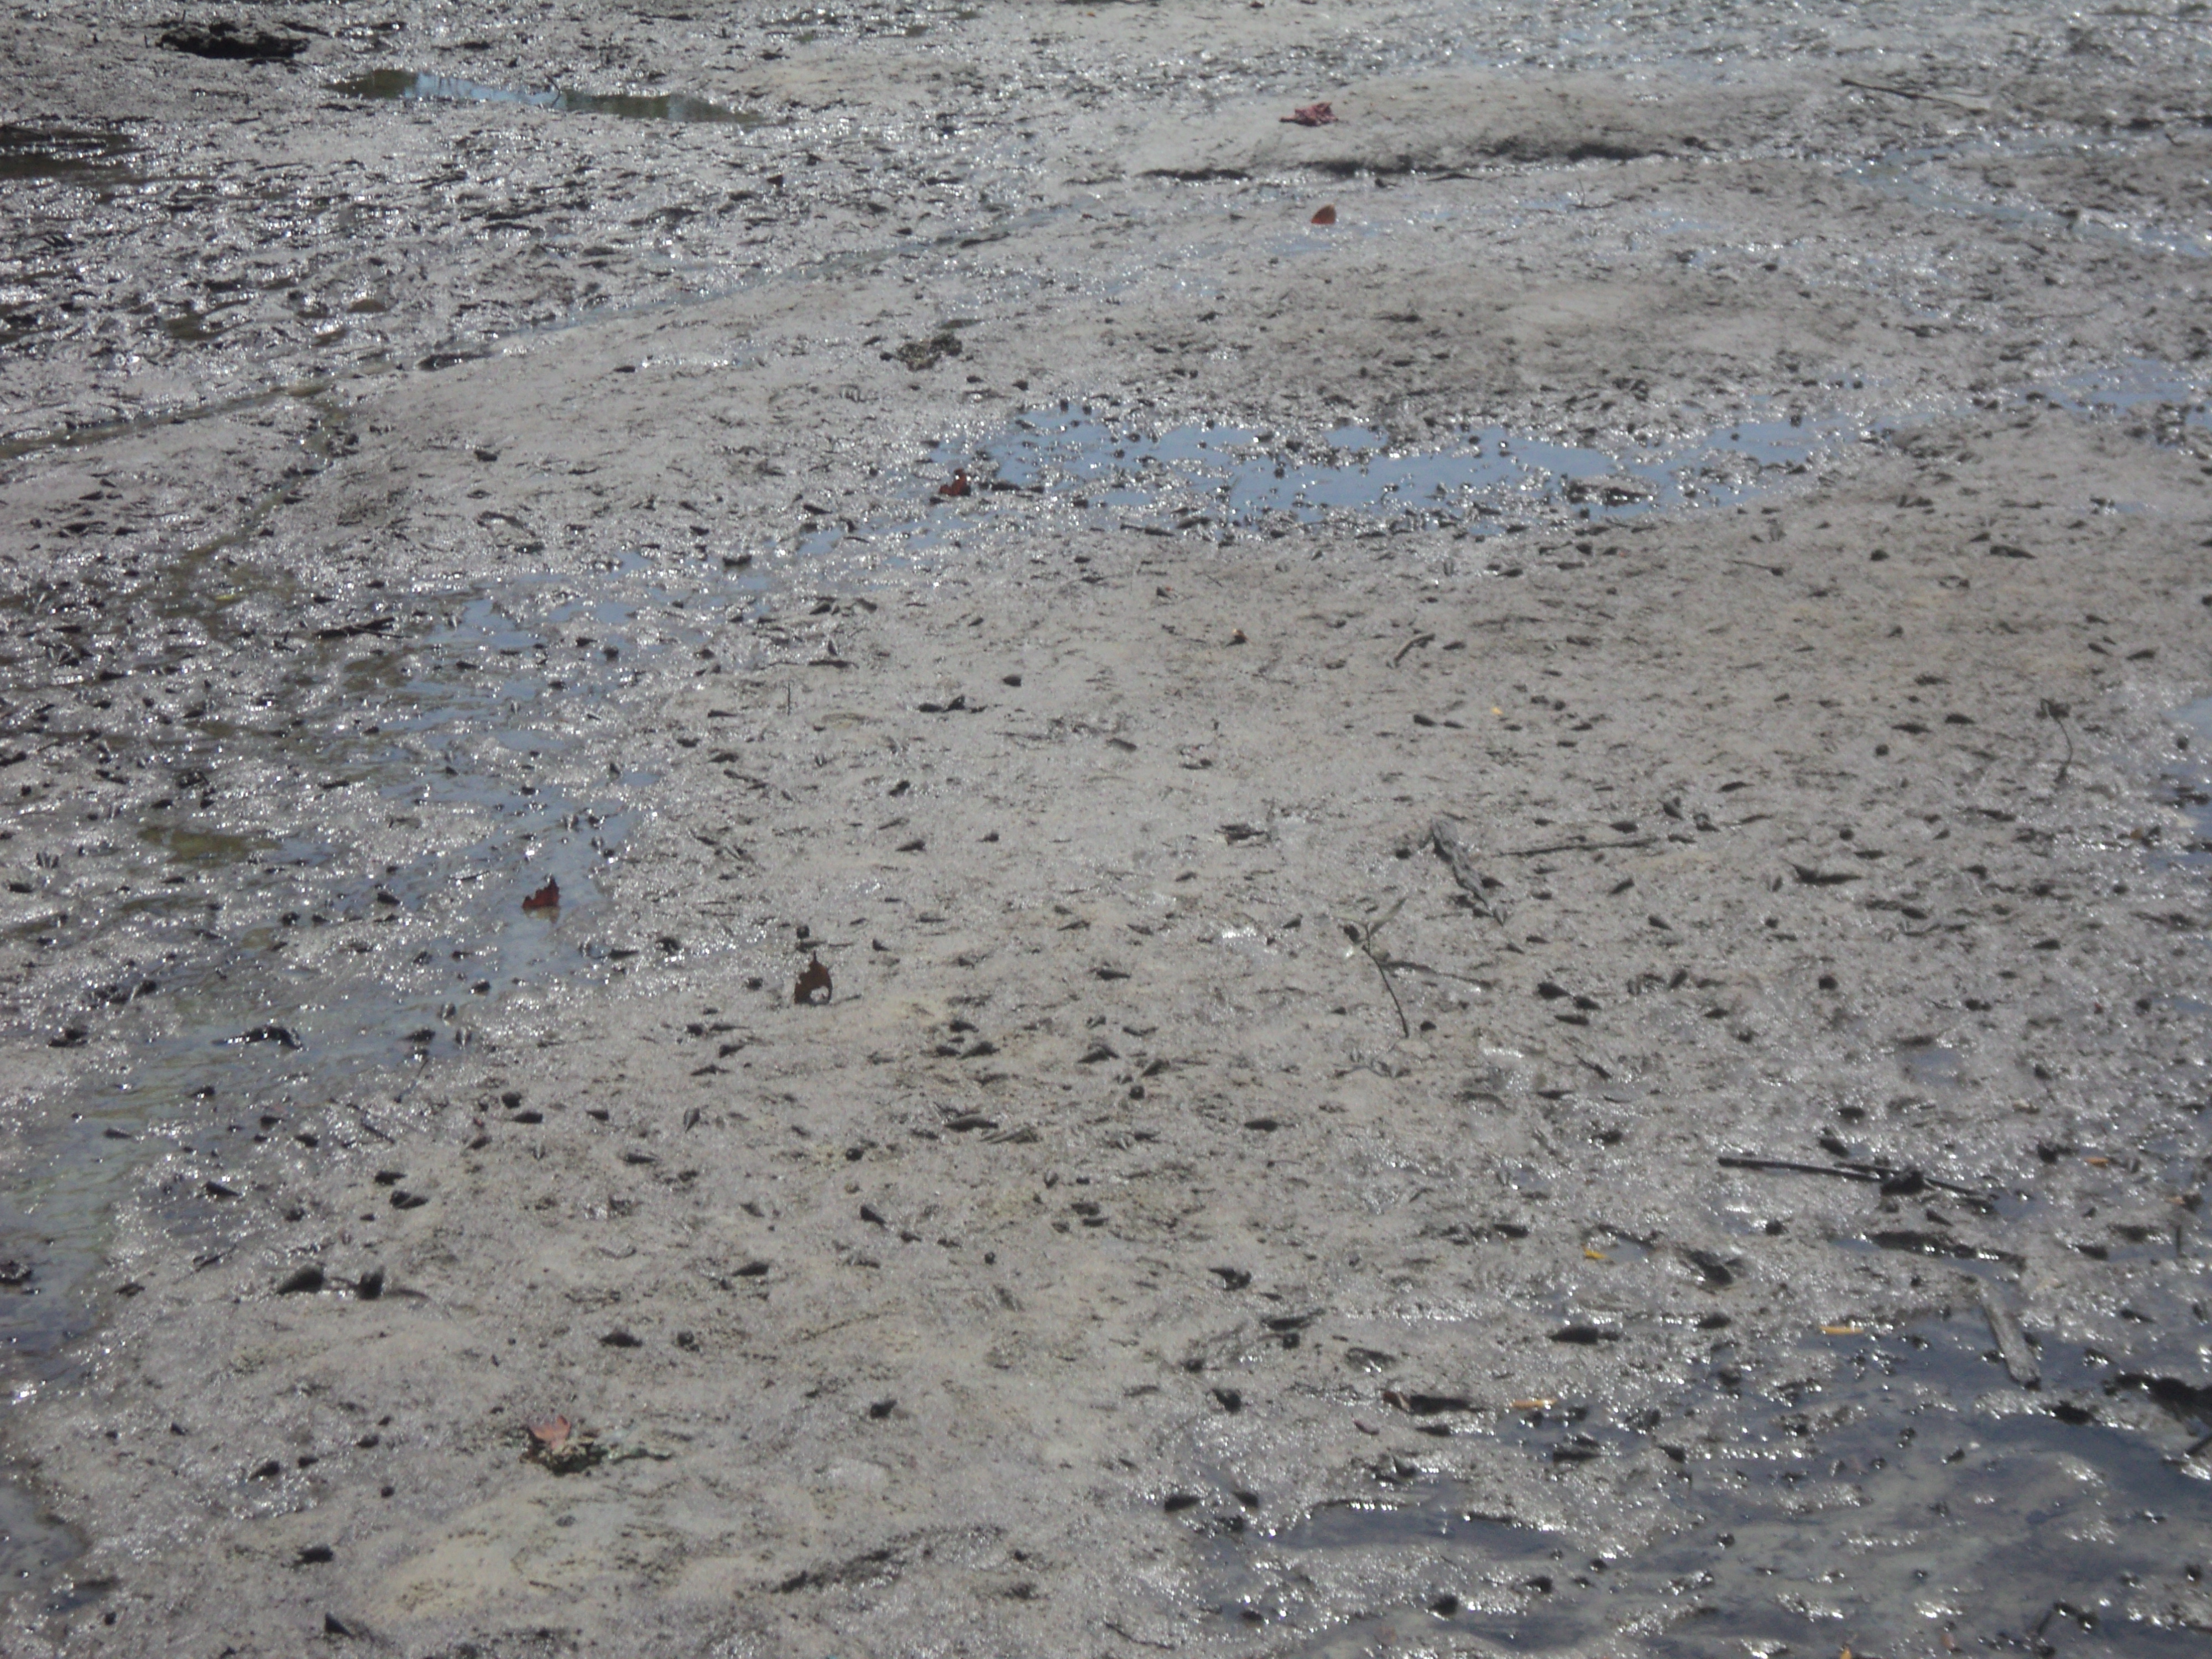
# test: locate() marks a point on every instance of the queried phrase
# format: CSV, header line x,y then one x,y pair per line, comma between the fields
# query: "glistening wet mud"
x,y
275,963
412,85
1973,178
81,155
1918,1499
1214,479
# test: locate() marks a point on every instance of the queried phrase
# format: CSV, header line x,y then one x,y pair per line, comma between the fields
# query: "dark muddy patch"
x,y
1915,1495
36,1548
237,42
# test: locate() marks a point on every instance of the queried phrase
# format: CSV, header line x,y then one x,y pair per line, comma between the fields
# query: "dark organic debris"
x,y
1426,1405
2020,1361
815,978
1716,1273
1324,215
547,897
301,1281
2186,1401
1611,490
278,1035
1874,1174
1813,878
867,1567
1311,115
1928,1243
1449,837
918,355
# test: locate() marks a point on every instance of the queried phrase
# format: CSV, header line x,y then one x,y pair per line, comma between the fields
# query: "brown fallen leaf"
x,y
547,897
816,978
957,485
1311,115
550,1434
1326,216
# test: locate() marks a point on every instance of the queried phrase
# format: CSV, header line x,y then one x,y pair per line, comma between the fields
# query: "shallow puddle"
x,y
410,86
1215,479
1918,1500
466,716
1481,479
63,153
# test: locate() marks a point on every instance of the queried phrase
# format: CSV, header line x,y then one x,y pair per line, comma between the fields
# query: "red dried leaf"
x,y
547,897
550,1434
1311,115
1326,215
957,485
816,978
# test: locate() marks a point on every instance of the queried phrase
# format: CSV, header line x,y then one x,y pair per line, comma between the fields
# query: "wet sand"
x,y
1532,974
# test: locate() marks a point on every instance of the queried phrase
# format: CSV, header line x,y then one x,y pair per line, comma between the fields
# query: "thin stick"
x,y
1366,939
1867,1172
1579,846
2055,712
1972,106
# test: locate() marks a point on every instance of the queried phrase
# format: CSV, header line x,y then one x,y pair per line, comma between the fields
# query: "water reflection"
x,y
411,86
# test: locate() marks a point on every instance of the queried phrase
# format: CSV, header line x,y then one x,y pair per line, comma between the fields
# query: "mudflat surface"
x,y
1512,887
